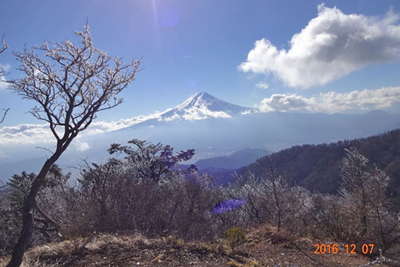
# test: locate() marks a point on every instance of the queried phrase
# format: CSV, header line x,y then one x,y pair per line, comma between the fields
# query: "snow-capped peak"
x,y
203,106
198,99
200,106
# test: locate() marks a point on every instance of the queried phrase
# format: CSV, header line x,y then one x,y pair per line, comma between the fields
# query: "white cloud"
x,y
332,102
330,46
25,134
202,112
262,85
81,146
40,133
172,118
3,84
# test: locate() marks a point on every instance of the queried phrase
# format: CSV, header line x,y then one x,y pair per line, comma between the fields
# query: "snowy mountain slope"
x,y
200,106
203,106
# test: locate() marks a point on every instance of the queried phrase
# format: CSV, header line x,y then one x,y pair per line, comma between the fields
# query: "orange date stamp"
x,y
334,248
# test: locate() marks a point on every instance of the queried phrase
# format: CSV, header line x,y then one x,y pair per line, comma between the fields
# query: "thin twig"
x,y
4,115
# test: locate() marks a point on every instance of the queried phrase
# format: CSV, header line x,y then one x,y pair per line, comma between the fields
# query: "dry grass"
x,y
264,246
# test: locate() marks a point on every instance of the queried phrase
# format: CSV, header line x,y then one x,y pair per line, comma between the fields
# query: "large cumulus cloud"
x,y
333,102
330,46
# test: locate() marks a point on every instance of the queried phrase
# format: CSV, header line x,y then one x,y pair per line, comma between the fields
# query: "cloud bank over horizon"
x,y
40,133
333,102
330,46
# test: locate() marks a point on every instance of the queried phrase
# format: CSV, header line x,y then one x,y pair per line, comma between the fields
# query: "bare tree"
x,y
354,169
266,197
70,83
364,193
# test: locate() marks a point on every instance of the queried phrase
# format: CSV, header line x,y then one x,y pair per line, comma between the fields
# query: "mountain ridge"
x,y
304,165
232,161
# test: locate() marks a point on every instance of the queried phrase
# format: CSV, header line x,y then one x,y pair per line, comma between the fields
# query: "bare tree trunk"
x,y
364,220
277,204
277,201
27,213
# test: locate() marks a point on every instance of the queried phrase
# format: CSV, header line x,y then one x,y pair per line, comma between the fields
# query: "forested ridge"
x,y
317,167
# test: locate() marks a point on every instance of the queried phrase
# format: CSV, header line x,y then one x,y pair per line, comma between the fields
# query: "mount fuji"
x,y
200,106
204,106
190,124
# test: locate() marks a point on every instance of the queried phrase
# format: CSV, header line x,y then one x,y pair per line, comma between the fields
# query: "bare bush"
x,y
48,205
144,192
270,199
362,212
364,195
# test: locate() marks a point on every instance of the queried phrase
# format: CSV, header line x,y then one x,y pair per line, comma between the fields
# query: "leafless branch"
x,y
3,116
3,47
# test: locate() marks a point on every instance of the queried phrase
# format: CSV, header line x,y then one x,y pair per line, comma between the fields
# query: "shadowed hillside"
x,y
317,167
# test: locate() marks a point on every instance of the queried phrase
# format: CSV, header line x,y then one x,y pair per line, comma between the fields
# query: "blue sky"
x,y
189,46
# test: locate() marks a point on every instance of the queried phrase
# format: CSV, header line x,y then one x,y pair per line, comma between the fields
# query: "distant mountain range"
x,y
215,129
223,168
233,161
